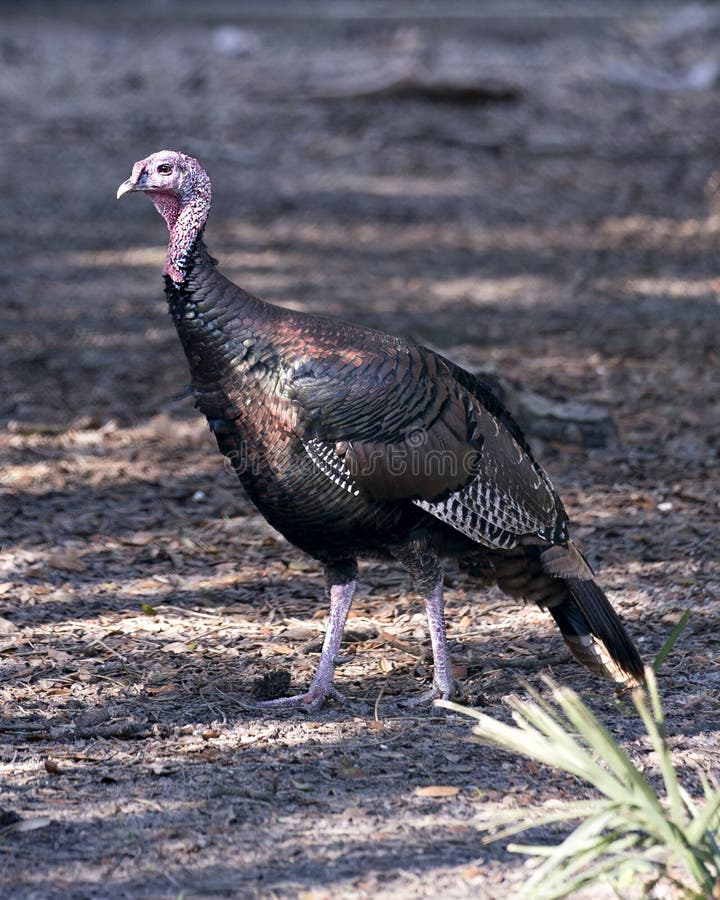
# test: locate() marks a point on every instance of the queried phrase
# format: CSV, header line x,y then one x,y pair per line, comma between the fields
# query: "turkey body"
x,y
354,443
267,380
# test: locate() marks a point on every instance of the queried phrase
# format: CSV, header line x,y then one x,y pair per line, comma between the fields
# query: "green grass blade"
x,y
626,775
655,727
573,864
670,641
706,820
541,738
515,821
609,869
569,752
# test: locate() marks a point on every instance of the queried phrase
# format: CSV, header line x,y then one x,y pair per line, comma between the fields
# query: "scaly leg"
x,y
341,584
423,564
444,684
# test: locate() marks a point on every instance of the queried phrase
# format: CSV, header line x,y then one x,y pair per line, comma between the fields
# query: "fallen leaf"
x,y
8,627
353,772
395,641
300,565
84,675
150,585
303,786
210,754
178,647
472,872
52,767
436,791
139,539
65,563
286,649
160,689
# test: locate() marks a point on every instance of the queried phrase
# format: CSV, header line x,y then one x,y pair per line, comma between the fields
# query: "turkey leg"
x,y
425,568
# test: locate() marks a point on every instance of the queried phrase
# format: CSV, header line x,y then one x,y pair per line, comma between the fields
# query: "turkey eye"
x,y
164,169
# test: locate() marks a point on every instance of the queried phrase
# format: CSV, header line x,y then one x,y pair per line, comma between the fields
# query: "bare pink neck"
x,y
185,220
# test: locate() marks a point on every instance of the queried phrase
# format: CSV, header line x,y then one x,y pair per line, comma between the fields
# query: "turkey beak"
x,y
134,183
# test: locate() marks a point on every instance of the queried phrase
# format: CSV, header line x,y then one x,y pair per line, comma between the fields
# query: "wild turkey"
x,y
353,443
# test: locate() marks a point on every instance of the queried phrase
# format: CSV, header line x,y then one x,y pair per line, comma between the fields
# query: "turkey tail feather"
x,y
559,579
595,634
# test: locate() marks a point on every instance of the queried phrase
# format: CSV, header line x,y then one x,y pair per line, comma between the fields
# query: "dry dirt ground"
x,y
530,190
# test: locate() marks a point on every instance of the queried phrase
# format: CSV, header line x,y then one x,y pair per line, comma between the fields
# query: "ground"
x,y
532,192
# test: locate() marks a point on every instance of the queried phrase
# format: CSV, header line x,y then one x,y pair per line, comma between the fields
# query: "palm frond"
x,y
628,830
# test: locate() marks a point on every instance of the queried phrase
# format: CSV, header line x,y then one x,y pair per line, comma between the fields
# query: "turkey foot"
x,y
446,690
341,584
312,699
